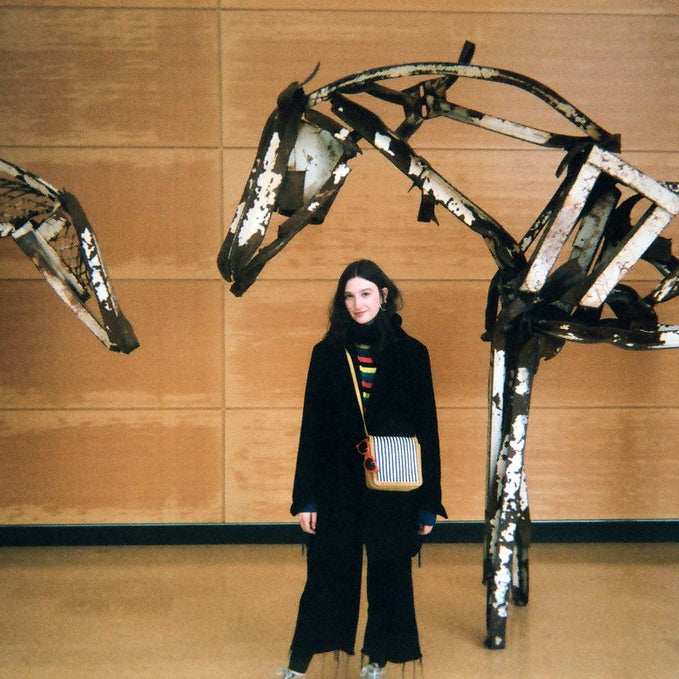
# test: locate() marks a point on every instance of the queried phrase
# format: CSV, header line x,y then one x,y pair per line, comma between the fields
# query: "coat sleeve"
x,y
305,486
428,436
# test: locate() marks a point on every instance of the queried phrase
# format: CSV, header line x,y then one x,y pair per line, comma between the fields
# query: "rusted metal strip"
x,y
650,226
358,82
318,203
63,283
118,329
550,246
663,337
628,254
592,228
667,289
508,128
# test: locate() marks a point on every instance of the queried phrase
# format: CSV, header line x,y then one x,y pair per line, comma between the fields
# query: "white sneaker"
x,y
373,671
286,673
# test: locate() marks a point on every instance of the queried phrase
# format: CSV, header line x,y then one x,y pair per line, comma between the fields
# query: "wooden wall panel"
x,y
617,69
592,463
151,115
110,466
582,463
101,78
270,337
259,463
50,360
448,317
115,4
261,447
653,7
156,212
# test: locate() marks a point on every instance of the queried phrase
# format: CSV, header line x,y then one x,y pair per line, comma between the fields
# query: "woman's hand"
x,y
307,522
424,529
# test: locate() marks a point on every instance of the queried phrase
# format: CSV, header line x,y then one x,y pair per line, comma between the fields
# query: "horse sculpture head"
x,y
52,229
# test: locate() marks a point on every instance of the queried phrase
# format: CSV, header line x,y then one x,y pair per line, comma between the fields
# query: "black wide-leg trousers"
x,y
329,606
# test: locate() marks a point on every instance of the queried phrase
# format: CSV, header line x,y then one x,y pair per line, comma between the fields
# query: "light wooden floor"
x,y
596,611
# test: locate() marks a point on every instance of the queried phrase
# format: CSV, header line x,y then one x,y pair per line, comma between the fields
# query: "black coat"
x,y
329,471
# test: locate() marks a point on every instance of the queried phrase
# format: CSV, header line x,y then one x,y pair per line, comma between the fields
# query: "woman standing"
x,y
335,508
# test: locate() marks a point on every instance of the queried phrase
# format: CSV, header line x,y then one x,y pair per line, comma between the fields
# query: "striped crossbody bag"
x,y
390,462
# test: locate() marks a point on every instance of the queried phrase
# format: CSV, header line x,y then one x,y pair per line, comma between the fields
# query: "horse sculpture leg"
x,y
496,396
507,516
520,578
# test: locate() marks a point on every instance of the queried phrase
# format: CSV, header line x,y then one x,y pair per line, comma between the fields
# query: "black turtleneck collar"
x,y
364,333
372,333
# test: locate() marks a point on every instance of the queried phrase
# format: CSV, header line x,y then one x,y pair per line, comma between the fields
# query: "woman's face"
x,y
363,299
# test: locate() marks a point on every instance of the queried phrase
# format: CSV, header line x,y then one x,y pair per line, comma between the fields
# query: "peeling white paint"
x,y
383,143
523,493
96,269
99,285
87,242
316,152
553,242
626,256
416,167
502,579
236,218
51,227
523,381
669,338
267,183
18,233
341,171
665,288
496,406
631,176
507,536
517,441
444,193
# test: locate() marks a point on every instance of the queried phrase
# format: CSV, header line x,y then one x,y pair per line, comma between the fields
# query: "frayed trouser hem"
x,y
417,665
339,657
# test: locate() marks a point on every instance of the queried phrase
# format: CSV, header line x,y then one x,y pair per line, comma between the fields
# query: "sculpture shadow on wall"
x,y
560,282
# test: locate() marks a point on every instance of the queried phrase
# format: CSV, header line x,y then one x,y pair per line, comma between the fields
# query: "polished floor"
x,y
209,612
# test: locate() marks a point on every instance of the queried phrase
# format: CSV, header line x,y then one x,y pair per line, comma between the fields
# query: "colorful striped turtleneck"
x,y
366,368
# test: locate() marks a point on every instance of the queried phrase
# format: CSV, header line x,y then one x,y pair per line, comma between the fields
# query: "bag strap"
x,y
358,393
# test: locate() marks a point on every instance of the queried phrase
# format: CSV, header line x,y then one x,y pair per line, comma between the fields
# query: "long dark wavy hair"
x,y
341,325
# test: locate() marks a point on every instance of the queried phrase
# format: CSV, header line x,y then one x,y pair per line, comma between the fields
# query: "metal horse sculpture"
x,y
52,229
560,282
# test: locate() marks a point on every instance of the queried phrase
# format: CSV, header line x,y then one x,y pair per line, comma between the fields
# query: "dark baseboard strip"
x,y
288,533
642,530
